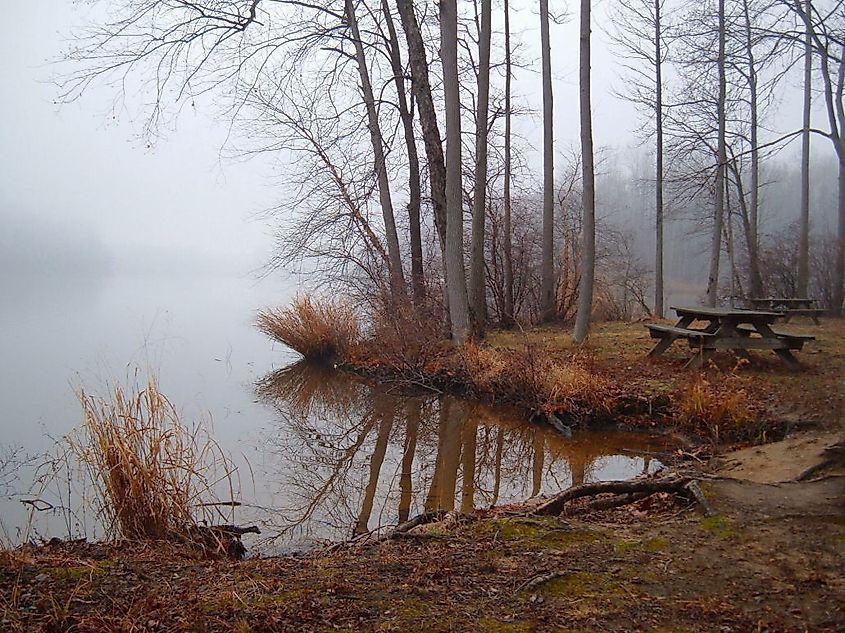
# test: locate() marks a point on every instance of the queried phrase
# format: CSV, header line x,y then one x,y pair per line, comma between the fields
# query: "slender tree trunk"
x,y
839,109
469,440
414,188
588,235
376,461
753,239
804,237
497,469
477,295
658,203
397,278
421,88
507,229
538,463
412,427
547,299
458,302
716,240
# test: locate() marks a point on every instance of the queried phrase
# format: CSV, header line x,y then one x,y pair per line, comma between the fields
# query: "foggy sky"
x,y
81,172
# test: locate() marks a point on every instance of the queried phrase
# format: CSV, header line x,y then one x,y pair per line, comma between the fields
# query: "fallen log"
x,y
556,504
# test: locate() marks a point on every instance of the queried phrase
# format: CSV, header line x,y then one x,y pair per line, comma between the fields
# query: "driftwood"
x,y
217,540
644,487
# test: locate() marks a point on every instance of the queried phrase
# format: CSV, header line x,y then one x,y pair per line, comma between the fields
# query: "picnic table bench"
x,y
727,329
789,307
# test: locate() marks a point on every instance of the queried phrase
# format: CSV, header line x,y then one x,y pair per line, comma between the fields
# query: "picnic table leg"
x,y
666,341
699,359
789,358
784,354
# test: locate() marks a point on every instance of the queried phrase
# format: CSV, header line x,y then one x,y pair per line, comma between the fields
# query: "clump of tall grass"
x,y
720,413
151,472
533,377
319,329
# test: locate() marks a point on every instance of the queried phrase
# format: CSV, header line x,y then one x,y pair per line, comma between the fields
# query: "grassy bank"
x,y
609,380
650,567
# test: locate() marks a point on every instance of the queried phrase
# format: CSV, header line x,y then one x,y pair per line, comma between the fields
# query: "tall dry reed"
x,y
152,473
319,329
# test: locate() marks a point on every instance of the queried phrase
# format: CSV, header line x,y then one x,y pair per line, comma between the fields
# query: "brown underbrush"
x,y
150,471
319,329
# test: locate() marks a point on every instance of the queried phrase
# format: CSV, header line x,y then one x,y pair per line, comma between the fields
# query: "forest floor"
x,y
772,558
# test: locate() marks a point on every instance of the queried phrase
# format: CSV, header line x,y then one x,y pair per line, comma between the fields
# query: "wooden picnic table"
x,y
789,306
727,329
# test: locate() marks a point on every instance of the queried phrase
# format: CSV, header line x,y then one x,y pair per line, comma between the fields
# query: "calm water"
x,y
321,456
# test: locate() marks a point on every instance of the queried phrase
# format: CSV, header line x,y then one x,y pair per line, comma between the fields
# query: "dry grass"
x,y
319,329
532,376
715,412
150,471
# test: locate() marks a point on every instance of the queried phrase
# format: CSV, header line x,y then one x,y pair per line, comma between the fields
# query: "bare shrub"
x,y
319,329
720,413
150,471
404,337
532,377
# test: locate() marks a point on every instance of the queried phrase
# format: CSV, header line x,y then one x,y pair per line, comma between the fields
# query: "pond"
x,y
322,455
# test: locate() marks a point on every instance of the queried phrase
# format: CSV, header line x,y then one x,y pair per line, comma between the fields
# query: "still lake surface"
x,y
320,455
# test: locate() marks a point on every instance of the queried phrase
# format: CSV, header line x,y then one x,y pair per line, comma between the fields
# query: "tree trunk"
x,y
477,295
414,189
716,239
658,203
588,235
376,461
421,87
753,239
804,238
397,278
547,299
507,229
455,271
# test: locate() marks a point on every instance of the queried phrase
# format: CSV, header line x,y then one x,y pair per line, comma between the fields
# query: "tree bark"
x,y
588,228
716,238
752,240
414,188
507,229
658,202
455,271
804,237
421,87
397,278
477,295
547,299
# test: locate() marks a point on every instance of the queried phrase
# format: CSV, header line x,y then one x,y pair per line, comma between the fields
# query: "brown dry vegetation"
x,y
319,329
610,379
757,566
150,471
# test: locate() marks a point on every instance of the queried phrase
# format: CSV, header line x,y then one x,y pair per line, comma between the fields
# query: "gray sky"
x,y
79,176
75,171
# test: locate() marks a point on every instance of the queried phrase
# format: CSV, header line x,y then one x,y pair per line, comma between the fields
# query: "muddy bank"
x,y
770,560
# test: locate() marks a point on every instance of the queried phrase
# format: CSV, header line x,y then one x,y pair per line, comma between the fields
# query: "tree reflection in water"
x,y
352,457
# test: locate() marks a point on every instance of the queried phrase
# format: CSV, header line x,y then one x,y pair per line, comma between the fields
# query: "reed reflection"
x,y
351,457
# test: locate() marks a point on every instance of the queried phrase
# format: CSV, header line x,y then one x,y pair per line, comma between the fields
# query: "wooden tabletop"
x,y
782,300
734,313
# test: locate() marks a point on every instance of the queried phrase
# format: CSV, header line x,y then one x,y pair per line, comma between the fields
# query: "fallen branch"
x,y
698,495
648,486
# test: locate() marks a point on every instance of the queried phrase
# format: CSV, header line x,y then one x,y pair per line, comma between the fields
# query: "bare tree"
x,y
507,229
548,271
804,234
477,298
456,275
641,39
588,229
718,214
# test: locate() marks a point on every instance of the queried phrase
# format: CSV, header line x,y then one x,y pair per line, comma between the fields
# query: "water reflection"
x,y
349,456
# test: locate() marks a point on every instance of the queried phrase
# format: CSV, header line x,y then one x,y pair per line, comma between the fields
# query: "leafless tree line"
x,y
393,125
